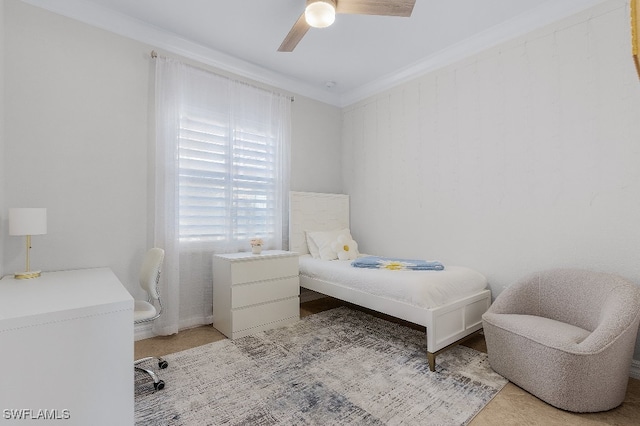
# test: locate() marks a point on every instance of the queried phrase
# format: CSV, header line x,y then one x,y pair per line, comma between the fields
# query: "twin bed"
x,y
449,303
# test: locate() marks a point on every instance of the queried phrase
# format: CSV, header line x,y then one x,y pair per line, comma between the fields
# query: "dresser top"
x,y
248,256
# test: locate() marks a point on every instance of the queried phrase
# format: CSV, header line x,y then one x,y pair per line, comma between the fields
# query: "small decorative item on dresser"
x,y
256,245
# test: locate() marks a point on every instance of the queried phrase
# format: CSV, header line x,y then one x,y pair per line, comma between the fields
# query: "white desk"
x,y
66,346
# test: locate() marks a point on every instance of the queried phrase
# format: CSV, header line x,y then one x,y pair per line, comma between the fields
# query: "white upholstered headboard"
x,y
312,211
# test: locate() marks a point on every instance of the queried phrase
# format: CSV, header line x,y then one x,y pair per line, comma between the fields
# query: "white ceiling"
x,y
361,54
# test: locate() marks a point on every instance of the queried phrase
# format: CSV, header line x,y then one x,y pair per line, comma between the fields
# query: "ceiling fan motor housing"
x,y
320,13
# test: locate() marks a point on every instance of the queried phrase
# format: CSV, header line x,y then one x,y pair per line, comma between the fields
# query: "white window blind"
x,y
228,182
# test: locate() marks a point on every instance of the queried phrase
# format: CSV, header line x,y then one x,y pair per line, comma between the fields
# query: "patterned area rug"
x,y
337,367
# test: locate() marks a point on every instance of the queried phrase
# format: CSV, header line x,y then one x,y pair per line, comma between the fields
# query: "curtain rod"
x,y
154,55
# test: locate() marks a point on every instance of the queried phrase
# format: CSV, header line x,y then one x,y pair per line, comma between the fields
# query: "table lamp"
x,y
27,222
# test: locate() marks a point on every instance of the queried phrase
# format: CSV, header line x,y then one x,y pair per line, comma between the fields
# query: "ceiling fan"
x,y
322,13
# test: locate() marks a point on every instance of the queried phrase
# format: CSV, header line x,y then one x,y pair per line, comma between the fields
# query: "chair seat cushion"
x,y
548,332
143,310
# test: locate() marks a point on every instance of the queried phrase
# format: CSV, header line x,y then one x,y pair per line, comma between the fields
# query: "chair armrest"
x,y
620,313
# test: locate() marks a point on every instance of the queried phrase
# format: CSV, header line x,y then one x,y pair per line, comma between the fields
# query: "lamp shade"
x,y
28,221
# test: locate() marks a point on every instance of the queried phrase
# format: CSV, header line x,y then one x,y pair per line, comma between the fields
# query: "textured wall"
x,y
521,158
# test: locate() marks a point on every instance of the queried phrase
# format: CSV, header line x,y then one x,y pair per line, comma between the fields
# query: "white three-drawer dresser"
x,y
253,293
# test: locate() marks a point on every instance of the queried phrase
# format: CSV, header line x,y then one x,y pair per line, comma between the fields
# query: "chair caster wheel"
x,y
163,364
159,385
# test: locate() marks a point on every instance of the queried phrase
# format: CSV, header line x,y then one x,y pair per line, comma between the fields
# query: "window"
x,y
221,177
228,179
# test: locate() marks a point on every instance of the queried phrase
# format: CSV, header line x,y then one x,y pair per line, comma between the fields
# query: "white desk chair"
x,y
146,311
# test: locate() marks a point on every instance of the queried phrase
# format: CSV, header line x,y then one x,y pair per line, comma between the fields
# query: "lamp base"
x,y
26,275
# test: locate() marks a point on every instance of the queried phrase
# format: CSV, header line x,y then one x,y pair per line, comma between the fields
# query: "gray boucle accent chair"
x,y
566,336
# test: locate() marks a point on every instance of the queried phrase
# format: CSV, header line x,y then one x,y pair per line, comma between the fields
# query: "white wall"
x,y
521,158
78,113
76,142
316,152
2,185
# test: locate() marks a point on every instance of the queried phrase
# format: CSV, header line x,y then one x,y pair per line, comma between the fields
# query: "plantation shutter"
x,y
227,181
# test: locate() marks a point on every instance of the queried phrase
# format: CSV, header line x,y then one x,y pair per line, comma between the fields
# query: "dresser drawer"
x,y
263,269
258,315
264,291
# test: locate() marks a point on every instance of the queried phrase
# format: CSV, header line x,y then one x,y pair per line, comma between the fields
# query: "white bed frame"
x,y
447,325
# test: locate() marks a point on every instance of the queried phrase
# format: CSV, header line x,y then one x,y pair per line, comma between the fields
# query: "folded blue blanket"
x,y
376,262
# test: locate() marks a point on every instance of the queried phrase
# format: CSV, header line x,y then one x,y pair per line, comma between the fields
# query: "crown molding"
x,y
115,22
97,16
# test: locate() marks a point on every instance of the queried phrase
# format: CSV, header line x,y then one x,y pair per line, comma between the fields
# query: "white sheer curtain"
x,y
222,177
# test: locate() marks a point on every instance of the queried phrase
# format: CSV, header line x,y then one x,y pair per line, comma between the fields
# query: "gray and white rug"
x,y
336,367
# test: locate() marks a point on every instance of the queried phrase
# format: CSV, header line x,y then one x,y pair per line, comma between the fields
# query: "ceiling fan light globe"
x,y
320,14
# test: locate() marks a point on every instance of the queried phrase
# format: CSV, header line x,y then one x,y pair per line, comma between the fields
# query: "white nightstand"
x,y
253,293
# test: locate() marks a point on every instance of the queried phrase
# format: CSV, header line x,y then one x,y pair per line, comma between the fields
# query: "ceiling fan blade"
x,y
296,33
376,7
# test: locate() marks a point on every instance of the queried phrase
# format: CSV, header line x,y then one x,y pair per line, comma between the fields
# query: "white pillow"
x,y
345,248
313,248
323,241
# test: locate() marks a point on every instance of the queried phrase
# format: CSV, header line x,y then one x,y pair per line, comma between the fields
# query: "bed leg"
x,y
432,361
431,356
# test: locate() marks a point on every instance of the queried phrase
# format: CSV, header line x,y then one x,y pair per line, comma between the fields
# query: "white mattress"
x,y
425,289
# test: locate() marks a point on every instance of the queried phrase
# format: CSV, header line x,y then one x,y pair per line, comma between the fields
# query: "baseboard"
x,y
145,331
635,369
